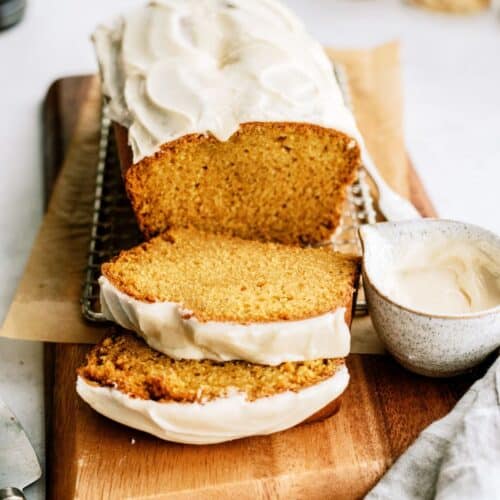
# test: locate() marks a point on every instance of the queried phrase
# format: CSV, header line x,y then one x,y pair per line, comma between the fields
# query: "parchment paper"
x,y
47,303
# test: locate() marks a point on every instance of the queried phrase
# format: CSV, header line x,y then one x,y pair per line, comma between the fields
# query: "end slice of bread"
x,y
203,402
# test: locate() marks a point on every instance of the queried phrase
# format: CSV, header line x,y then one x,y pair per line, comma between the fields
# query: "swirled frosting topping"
x,y
174,67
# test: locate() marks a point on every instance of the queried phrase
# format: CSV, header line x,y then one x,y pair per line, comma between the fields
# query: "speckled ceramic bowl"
x,y
430,344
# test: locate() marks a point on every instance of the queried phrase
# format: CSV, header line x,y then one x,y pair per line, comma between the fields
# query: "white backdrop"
x,y
451,70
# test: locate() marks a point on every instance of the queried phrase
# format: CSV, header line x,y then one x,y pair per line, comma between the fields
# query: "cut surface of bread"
x,y
220,278
282,182
126,363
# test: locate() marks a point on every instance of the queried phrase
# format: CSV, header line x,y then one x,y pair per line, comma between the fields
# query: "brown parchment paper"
x,y
377,98
46,305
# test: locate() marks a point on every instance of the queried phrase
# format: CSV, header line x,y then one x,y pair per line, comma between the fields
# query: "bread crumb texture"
x,y
281,182
125,362
222,278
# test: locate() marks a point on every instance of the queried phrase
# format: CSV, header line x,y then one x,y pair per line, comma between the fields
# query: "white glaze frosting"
x,y
219,420
444,276
176,67
171,329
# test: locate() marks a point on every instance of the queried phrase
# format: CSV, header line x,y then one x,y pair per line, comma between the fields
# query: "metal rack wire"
x,y
114,227
113,223
359,207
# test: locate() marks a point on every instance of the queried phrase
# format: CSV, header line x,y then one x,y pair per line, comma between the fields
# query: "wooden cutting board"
x,y
91,457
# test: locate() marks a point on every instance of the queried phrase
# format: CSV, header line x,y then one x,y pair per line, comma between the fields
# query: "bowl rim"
x,y
432,220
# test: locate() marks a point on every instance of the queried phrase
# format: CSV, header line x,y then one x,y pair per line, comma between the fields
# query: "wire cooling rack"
x,y
114,227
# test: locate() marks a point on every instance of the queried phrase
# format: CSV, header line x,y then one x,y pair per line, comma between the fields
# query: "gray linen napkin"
x,y
457,457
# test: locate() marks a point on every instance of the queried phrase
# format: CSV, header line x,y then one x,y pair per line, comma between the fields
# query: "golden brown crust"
x,y
222,278
123,149
125,362
276,181
326,412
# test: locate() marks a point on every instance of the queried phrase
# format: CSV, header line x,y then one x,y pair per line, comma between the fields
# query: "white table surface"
x,y
451,71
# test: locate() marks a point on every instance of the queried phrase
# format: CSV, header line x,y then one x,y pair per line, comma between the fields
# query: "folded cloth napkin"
x,y
457,457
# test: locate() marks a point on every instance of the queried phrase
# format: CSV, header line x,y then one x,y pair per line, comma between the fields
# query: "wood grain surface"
x,y
91,457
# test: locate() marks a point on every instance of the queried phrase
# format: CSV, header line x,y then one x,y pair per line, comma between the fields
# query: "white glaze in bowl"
x,y
436,345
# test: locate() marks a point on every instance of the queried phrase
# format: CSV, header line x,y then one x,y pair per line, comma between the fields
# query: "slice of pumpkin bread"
x,y
197,295
204,401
